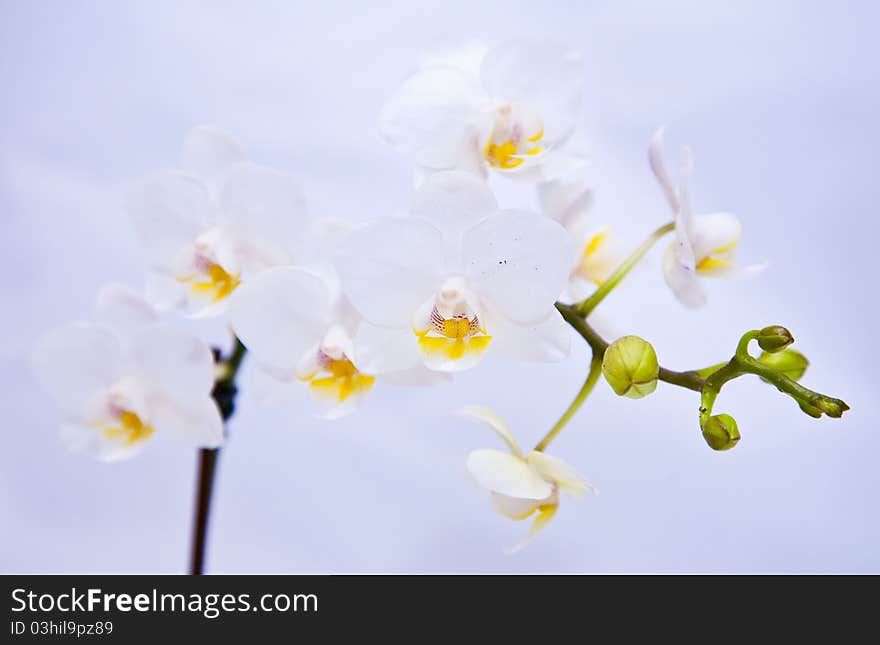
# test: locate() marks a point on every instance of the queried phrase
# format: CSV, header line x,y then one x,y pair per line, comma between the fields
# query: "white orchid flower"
x,y
511,109
596,255
300,328
704,245
212,219
521,485
457,277
122,378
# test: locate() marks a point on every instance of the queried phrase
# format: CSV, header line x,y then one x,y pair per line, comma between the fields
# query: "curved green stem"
x,y
691,380
742,363
574,406
590,303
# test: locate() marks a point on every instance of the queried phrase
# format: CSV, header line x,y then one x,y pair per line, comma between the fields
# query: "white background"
x,y
780,103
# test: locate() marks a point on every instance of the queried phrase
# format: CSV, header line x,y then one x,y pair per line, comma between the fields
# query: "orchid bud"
x,y
630,366
834,408
789,362
721,432
774,338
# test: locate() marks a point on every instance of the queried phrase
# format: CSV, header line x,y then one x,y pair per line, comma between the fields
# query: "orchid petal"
x,y
520,262
390,267
559,472
432,117
495,422
502,472
280,313
76,361
168,211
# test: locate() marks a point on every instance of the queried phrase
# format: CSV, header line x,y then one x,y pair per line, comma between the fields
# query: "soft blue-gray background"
x,y
780,102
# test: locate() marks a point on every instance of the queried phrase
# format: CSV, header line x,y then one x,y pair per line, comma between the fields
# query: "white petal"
x,y
682,279
168,210
208,153
91,441
280,313
567,203
502,472
544,77
496,423
686,211
546,341
559,161
454,202
196,421
514,508
715,233
123,310
520,262
559,472
432,117
541,520
266,210
661,172
173,360
164,292
76,361
383,350
390,267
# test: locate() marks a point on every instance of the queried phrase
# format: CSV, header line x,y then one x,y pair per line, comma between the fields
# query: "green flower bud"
x,y
774,338
630,366
834,408
789,361
721,432
816,413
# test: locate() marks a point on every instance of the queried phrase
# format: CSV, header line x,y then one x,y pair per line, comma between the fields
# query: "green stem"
x,y
224,395
574,406
742,363
587,306
570,313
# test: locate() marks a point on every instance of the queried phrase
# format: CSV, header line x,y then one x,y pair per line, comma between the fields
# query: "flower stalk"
x,y
574,406
590,303
224,395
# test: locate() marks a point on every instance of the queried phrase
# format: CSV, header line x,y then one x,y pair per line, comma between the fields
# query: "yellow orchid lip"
x,y
219,283
511,151
453,338
131,429
718,260
338,380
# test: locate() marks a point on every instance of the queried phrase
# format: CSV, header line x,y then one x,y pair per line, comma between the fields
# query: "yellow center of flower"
x,y
130,430
511,153
215,284
595,264
453,337
338,380
717,260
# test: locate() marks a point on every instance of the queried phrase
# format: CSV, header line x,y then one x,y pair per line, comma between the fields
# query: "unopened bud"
x,y
774,338
721,432
834,408
630,366
816,413
789,362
